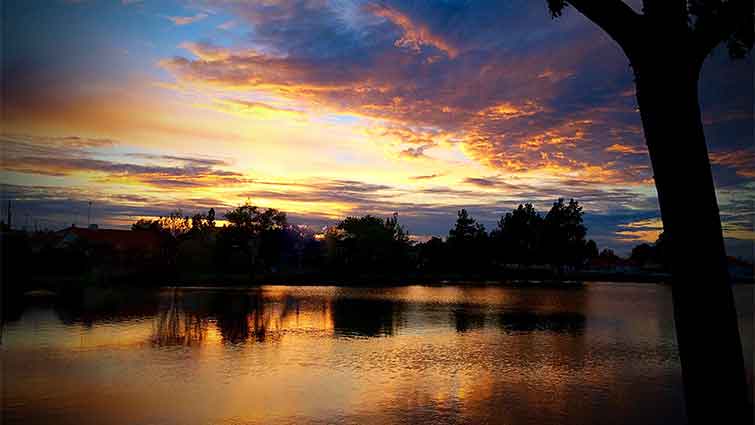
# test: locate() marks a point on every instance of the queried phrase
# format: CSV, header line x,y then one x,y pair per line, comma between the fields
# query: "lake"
x,y
602,353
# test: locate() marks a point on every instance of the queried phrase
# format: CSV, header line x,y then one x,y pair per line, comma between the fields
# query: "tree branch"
x,y
671,13
731,21
615,17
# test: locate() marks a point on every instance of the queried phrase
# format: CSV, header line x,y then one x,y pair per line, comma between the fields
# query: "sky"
x,y
331,108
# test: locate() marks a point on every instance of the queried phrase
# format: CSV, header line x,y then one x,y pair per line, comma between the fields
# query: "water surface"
x,y
605,353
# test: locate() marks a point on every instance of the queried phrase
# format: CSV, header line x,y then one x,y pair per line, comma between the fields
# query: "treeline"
x,y
521,237
259,243
262,241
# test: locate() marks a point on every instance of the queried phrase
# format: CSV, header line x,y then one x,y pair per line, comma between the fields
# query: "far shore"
x,y
521,279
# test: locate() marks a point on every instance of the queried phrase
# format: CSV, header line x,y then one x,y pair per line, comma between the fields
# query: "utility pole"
x,y
89,215
9,215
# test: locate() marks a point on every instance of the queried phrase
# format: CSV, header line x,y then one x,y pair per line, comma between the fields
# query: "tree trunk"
x,y
707,332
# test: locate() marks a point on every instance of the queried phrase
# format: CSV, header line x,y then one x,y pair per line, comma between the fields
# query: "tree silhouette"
x,y
608,253
368,243
524,237
468,243
518,235
210,219
176,224
666,45
252,220
248,231
591,250
145,224
643,254
432,256
564,234
651,254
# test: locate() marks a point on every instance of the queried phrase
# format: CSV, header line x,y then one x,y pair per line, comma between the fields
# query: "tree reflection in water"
x,y
177,325
467,318
185,317
530,310
470,318
366,317
529,321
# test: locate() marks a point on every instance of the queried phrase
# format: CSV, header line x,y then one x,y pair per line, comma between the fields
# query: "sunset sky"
x,y
344,107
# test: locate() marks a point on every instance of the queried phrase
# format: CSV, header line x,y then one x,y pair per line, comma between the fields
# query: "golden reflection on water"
x,y
337,355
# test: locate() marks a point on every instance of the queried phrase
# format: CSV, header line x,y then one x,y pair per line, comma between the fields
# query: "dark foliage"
x,y
468,244
260,243
368,244
651,255
524,237
518,236
709,22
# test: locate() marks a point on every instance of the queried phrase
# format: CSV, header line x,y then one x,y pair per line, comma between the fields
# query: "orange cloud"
x,y
619,148
507,110
210,52
641,231
742,160
415,35
186,20
77,156
514,136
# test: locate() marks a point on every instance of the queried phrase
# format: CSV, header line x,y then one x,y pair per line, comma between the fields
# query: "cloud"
x,y
186,20
76,155
511,109
54,208
614,219
638,231
257,110
616,147
182,159
416,152
415,35
481,181
411,135
227,25
741,160
355,193
558,99
64,142
426,177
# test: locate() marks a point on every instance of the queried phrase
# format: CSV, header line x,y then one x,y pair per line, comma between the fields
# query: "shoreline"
x,y
527,279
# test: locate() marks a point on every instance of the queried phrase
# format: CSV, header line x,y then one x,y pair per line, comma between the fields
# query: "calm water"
x,y
605,353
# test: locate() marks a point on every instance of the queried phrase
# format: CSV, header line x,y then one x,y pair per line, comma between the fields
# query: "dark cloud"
x,y
53,208
416,152
480,181
65,156
426,177
209,162
360,194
